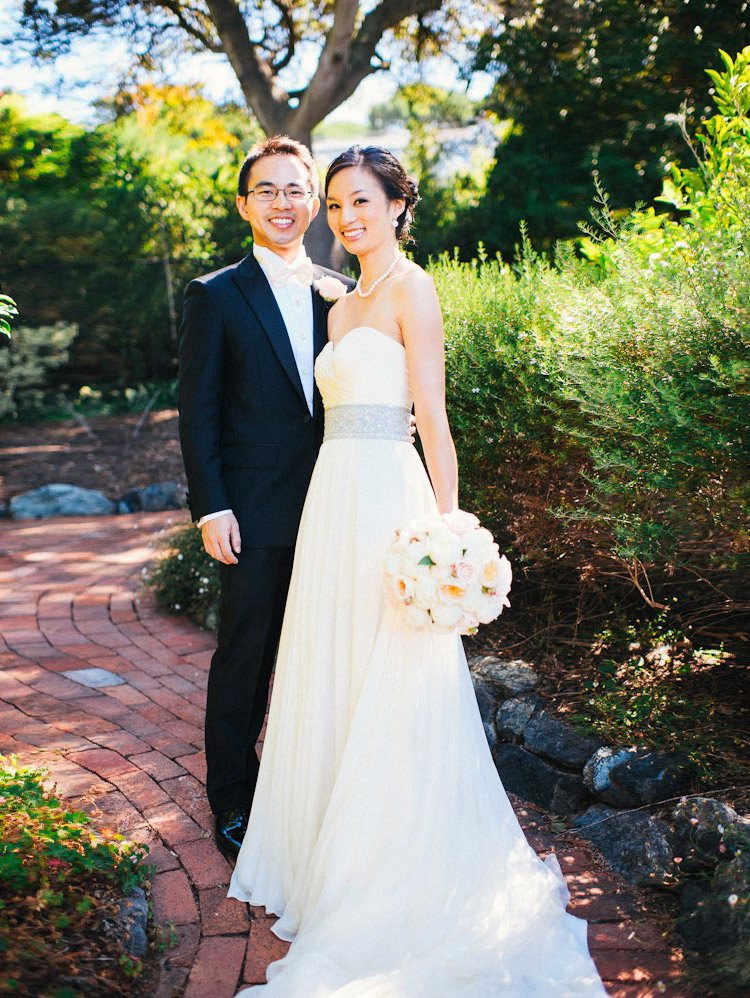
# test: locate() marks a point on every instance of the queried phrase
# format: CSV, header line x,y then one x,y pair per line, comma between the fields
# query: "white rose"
x,y
445,615
403,587
488,610
330,288
505,577
468,624
415,616
444,547
460,521
473,599
478,543
416,551
425,588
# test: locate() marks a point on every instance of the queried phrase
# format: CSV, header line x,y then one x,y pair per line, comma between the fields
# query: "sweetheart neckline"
x,y
335,346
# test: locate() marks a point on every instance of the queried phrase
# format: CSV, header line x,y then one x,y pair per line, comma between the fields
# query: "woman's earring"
x,y
395,223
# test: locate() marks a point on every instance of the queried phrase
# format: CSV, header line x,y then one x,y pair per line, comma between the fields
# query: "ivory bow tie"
x,y
299,273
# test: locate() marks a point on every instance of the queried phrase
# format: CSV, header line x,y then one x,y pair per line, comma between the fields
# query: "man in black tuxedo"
x,y
251,423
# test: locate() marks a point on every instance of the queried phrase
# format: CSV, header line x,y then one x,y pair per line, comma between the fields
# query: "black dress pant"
x,y
253,596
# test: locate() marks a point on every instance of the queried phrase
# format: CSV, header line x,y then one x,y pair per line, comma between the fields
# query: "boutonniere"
x,y
330,288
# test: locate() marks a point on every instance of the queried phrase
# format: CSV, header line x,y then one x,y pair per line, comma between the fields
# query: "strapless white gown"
x,y
380,832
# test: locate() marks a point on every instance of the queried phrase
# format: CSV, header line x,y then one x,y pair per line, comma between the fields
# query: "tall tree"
x,y
594,88
295,60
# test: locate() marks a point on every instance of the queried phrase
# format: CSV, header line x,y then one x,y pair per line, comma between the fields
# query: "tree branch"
x,y
177,10
288,22
347,56
261,90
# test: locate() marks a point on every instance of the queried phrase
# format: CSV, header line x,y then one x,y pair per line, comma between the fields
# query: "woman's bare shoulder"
x,y
412,280
341,306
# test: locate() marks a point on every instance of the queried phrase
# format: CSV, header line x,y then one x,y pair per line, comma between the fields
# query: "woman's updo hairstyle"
x,y
389,173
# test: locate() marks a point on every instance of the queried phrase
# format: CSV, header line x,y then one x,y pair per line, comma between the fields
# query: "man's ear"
x,y
315,207
241,206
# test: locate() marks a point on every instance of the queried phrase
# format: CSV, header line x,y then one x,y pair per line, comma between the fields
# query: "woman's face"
x,y
360,214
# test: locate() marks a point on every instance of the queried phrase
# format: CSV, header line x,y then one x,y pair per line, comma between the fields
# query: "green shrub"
x,y
185,579
649,684
601,400
57,878
25,362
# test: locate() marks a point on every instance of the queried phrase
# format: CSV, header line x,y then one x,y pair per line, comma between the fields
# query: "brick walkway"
x,y
131,753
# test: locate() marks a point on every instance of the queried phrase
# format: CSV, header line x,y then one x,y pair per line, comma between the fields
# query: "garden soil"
x,y
104,453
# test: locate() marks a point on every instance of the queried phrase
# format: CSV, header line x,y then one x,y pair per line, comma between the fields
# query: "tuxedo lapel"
x,y
257,292
320,334
320,320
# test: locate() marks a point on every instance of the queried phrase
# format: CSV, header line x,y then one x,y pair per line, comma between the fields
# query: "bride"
x,y
380,833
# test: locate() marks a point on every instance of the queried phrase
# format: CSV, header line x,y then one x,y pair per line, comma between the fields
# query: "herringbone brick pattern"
x,y
132,754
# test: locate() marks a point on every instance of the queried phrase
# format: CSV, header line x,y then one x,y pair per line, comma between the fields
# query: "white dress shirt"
x,y
294,299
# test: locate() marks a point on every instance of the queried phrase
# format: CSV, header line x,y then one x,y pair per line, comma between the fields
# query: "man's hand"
x,y
412,427
221,538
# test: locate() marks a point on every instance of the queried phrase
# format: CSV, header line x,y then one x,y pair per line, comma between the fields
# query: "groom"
x,y
251,423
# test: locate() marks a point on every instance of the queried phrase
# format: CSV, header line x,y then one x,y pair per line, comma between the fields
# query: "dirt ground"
x,y
102,454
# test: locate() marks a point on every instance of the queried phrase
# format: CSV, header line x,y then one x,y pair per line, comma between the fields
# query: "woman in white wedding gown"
x,y
380,832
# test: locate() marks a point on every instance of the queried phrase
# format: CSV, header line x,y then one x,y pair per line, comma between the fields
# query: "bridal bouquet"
x,y
446,574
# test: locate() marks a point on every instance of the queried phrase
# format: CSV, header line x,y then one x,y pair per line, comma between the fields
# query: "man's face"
x,y
279,225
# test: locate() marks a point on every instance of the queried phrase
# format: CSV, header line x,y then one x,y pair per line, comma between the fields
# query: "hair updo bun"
x,y
389,173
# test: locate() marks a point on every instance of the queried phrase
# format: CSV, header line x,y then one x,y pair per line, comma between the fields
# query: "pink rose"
x,y
466,572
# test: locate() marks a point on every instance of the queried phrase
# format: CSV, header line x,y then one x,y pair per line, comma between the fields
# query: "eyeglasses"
x,y
269,192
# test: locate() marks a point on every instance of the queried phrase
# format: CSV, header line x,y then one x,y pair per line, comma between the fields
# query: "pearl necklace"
x,y
366,294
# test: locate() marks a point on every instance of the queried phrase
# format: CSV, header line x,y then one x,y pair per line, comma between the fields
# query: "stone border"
x,y
700,846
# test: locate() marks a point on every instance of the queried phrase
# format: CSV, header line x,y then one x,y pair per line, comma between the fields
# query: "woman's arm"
x,y
418,312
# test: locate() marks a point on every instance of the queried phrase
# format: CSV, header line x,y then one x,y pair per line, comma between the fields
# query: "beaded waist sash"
x,y
368,422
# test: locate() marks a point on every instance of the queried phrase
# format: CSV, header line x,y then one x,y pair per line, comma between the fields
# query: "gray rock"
x,y
134,919
508,677
60,500
708,832
135,941
630,777
486,698
489,730
486,704
513,715
535,780
548,736
153,498
138,906
635,844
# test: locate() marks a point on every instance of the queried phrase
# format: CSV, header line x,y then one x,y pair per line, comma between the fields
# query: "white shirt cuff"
x,y
212,516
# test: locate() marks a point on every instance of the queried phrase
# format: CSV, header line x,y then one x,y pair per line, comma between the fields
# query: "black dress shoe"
x,y
231,826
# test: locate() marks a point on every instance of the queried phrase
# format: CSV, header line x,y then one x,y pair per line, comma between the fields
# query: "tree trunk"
x,y
320,244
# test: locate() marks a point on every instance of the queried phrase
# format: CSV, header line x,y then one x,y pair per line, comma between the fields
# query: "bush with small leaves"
x,y
61,882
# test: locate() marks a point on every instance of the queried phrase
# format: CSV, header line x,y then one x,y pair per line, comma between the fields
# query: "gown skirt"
x,y
380,833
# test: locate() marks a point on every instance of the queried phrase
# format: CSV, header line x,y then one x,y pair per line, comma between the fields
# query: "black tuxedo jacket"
x,y
248,440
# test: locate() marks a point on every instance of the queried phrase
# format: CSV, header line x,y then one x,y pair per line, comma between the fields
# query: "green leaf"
x,y
728,62
426,560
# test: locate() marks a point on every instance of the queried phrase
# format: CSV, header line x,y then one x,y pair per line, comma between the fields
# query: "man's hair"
x,y
278,145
